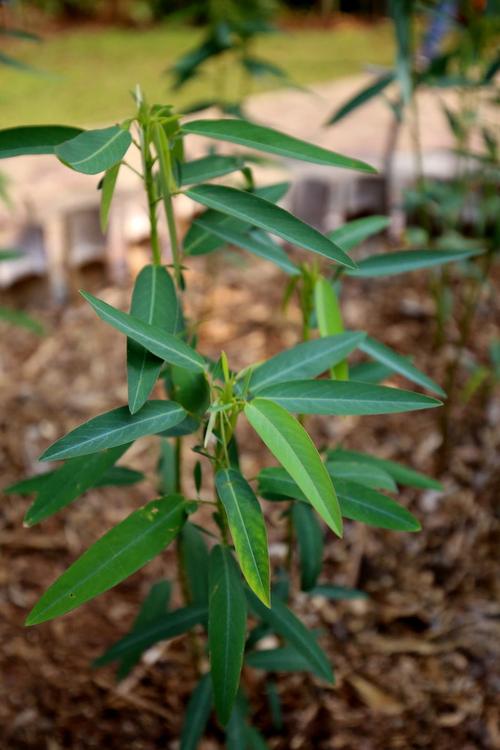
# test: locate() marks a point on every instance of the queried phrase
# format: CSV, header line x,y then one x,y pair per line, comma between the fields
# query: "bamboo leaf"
x,y
390,264
208,167
367,474
167,626
74,478
283,659
261,213
95,151
358,230
115,427
34,139
373,89
291,445
285,624
107,192
386,356
197,713
344,398
363,504
155,302
306,360
400,473
226,630
272,141
115,556
248,529
154,339
310,542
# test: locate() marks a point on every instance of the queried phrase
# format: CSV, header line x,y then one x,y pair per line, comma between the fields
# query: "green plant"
x,y
227,50
231,582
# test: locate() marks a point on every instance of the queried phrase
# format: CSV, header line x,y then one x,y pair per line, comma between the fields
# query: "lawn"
x,y
88,73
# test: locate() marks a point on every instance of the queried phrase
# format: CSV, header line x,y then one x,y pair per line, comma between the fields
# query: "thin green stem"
x,y
147,168
174,240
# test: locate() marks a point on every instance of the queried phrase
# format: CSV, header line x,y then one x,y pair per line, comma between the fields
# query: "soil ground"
x,y
416,662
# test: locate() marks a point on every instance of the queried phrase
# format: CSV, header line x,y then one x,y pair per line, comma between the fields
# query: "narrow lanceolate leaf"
x,y
119,553
366,474
208,167
197,713
154,339
114,477
344,398
119,476
390,264
284,659
387,356
363,504
95,151
107,192
329,319
310,541
248,529
291,445
115,427
400,473
155,302
256,243
274,483
370,372
374,88
273,142
358,230
34,139
306,360
167,626
194,555
266,215
289,627
226,629
74,478
199,242
152,609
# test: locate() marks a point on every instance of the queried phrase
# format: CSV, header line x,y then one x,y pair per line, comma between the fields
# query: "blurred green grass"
x,y
89,73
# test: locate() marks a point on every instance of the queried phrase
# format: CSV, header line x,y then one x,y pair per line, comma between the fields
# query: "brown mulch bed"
x,y
416,663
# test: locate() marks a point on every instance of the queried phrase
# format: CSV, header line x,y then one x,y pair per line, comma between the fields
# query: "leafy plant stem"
x,y
147,166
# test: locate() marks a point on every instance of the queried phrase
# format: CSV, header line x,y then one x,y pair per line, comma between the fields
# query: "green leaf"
x,y
154,339
337,593
237,727
387,356
390,264
248,529
34,139
255,740
107,192
400,473
10,255
283,659
198,241
291,445
261,213
95,151
370,372
256,243
21,319
119,476
194,555
155,302
366,474
208,167
167,626
344,398
273,142
329,319
190,390
310,542
306,360
289,627
363,504
114,557
152,609
74,478
401,12
197,713
274,483
373,89
226,629
115,427
358,230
